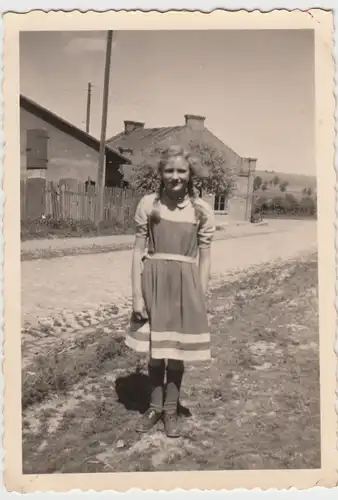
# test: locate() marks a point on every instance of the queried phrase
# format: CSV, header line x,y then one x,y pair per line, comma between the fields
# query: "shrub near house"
x,y
287,205
216,176
284,195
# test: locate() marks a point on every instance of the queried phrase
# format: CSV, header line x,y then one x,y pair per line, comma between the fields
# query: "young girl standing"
x,y
170,283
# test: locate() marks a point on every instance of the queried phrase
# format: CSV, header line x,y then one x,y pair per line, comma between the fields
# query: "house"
x,y
136,138
53,149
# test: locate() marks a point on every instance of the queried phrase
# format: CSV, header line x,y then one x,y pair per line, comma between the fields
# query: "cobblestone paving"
x,y
72,294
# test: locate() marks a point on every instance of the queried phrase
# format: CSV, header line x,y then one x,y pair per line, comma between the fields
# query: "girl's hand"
x,y
139,308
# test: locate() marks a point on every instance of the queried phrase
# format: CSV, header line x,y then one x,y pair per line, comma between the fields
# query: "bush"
x,y
286,204
308,205
257,183
55,373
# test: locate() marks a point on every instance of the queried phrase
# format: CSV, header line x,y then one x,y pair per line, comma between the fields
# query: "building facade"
x,y
56,150
136,139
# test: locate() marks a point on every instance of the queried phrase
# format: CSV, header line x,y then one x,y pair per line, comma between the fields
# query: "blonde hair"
x,y
195,169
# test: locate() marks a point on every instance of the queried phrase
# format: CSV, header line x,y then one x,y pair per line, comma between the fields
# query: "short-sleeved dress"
x,y
178,323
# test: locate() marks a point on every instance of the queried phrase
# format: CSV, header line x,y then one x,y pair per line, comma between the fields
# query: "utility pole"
x,y
89,98
102,164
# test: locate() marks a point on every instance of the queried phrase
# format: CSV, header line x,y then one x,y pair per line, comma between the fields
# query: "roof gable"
x,y
146,138
66,127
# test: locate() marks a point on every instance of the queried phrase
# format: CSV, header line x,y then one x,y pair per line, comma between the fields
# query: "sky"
x,y
255,87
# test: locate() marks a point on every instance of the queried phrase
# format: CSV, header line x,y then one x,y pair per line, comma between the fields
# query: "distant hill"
x,y
296,182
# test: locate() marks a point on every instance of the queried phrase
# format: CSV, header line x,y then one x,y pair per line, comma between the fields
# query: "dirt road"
x,y
68,285
255,405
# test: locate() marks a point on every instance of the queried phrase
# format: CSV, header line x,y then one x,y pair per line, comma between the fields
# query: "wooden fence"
x,y
70,199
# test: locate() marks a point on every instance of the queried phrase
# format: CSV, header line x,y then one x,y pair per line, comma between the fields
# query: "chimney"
x,y
130,126
194,122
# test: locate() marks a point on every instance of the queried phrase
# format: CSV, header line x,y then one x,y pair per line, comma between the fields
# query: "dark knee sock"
x,y
175,373
156,371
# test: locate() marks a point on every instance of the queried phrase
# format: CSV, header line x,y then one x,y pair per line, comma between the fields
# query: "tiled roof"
x,y
142,137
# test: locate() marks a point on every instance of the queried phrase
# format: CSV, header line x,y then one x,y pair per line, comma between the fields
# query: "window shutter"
x,y
37,149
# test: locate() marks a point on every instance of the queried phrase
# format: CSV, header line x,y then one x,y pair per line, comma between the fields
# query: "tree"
x,y
308,205
291,203
144,178
264,186
217,176
276,180
257,183
307,191
283,186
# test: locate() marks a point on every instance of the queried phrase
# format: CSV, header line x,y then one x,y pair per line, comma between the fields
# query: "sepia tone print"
x,y
261,342
171,198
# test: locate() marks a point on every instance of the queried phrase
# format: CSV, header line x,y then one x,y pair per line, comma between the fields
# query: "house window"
x,y
220,204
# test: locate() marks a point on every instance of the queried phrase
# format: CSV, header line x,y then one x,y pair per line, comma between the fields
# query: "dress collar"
x,y
185,202
181,204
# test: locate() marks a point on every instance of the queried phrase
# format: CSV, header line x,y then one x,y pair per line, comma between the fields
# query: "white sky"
x,y
256,88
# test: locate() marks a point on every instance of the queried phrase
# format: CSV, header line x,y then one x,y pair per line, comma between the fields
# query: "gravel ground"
x,y
254,405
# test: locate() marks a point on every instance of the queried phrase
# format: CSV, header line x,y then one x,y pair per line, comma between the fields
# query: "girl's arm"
x,y
138,302
141,220
205,235
204,267
139,248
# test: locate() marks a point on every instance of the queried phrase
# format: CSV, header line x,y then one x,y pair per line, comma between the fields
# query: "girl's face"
x,y
176,175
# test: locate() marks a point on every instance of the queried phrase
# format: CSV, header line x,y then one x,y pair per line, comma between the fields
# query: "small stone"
x,y
249,406
120,444
85,323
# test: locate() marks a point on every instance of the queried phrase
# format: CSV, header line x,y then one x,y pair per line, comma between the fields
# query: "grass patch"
x,y
52,253
255,406
47,227
55,372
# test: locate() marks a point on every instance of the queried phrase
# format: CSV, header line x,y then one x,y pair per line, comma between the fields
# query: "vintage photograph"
x,y
169,216
245,379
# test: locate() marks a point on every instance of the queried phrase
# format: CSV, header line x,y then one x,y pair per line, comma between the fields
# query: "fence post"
x,y
35,197
55,201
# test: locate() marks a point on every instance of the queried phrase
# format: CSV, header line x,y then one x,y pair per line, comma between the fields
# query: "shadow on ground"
x,y
133,392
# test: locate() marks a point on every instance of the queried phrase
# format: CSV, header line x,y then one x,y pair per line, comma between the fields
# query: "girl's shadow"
x,y
133,392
